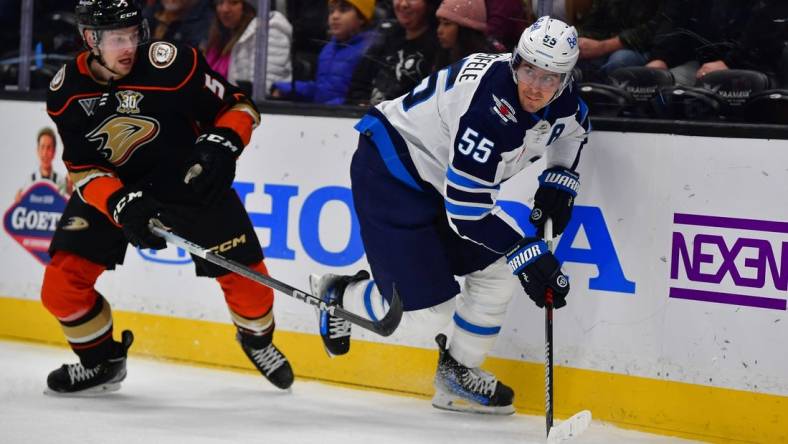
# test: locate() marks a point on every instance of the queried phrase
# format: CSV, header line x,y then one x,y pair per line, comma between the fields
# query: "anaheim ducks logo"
x,y
121,136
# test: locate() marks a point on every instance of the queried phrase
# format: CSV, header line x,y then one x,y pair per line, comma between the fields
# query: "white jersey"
x,y
466,134
58,180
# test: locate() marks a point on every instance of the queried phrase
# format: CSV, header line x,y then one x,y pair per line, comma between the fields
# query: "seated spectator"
x,y
308,18
180,21
401,56
506,21
697,37
461,30
347,21
614,35
231,43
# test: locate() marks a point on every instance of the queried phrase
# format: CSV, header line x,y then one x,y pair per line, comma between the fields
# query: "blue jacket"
x,y
335,66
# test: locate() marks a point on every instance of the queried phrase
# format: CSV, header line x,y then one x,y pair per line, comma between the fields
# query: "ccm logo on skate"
x,y
727,261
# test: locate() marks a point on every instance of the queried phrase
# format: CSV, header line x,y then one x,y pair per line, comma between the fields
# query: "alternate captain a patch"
x,y
162,54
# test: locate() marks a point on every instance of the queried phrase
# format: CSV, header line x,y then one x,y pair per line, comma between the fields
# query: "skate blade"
x,y
446,401
93,392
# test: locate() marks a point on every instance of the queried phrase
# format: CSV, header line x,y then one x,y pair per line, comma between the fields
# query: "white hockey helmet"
x,y
549,44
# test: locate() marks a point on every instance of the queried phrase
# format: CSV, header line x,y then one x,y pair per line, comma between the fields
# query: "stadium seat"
x,y
687,103
769,106
605,100
643,85
734,87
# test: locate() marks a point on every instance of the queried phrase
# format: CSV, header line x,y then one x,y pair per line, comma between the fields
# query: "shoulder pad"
x,y
164,65
65,84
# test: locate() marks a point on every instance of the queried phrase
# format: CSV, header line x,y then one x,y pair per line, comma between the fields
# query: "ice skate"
x,y
334,331
267,359
77,380
464,389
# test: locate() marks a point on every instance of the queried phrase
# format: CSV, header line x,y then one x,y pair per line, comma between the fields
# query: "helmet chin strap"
x,y
101,61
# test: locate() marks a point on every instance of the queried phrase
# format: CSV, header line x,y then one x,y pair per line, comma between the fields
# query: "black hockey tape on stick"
x,y
383,327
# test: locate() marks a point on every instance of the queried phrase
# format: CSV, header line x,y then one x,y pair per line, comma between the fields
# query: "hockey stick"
x,y
383,327
548,339
579,421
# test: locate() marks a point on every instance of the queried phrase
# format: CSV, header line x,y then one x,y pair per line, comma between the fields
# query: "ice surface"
x,y
164,402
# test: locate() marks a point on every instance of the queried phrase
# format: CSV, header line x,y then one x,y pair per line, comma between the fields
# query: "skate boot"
x,y
75,379
334,331
267,359
464,389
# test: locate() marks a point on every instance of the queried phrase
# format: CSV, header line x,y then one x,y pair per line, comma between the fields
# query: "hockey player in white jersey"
x,y
425,179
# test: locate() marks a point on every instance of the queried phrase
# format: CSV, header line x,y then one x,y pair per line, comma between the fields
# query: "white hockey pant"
x,y
476,315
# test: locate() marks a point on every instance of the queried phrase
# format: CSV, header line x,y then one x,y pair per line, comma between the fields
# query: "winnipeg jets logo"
x,y
504,110
120,136
128,102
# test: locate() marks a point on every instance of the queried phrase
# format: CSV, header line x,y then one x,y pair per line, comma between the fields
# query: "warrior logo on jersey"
x,y
121,136
162,54
128,101
89,105
57,80
504,110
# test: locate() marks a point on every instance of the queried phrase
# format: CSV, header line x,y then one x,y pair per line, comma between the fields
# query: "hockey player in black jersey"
x,y
136,117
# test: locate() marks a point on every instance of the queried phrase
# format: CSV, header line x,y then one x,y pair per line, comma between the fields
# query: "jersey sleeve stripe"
x,y
456,178
479,197
464,211
68,102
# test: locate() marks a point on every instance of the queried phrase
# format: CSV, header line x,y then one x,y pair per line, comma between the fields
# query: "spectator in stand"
x,y
308,18
231,43
461,30
401,56
347,23
614,35
180,21
506,21
697,37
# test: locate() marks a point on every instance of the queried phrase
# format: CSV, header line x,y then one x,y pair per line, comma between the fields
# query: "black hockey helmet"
x,y
102,15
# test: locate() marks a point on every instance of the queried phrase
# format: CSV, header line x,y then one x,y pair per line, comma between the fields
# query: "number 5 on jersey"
x,y
470,145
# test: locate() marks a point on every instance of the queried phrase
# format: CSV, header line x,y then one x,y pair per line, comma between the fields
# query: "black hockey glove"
x,y
538,270
132,209
555,199
210,169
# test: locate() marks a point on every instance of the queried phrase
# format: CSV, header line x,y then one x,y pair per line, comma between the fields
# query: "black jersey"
x,y
143,125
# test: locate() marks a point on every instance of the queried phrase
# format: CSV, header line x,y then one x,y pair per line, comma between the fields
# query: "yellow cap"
x,y
365,7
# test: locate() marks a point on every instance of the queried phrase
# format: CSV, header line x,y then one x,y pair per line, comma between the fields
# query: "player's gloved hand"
x,y
210,169
132,209
538,270
555,199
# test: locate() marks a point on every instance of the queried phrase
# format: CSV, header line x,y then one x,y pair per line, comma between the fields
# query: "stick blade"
x,y
569,428
390,322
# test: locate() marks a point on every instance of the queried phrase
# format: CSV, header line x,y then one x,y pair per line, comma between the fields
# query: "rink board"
x,y
677,253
